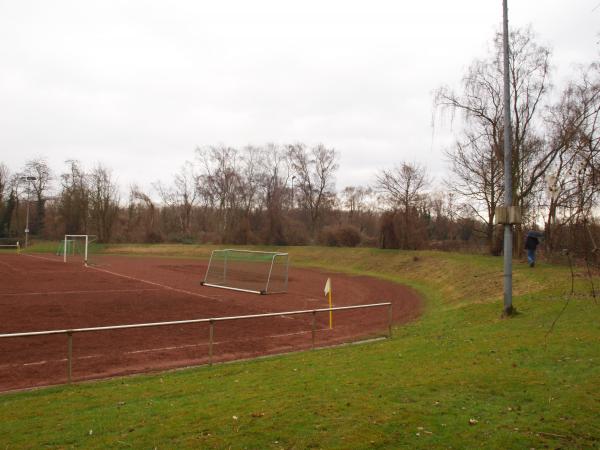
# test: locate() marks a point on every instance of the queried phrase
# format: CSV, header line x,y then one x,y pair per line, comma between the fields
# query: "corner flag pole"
x,y
327,291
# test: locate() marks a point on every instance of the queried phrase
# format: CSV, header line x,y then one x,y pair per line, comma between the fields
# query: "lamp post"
x,y
28,180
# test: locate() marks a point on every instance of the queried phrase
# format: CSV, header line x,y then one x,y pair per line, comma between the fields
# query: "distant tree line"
x,y
278,195
286,194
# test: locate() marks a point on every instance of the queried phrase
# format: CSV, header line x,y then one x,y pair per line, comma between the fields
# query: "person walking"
x,y
531,243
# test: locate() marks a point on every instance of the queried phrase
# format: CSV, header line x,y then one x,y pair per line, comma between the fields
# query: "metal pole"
x,y
390,321
27,217
85,258
508,197
287,270
210,342
27,179
270,272
69,356
314,328
65,249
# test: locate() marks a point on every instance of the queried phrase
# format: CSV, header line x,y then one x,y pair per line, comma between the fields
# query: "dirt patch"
x,y
42,293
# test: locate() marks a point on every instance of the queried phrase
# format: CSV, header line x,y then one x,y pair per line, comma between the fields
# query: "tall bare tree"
x,y
182,195
39,169
8,200
142,213
219,182
275,175
478,178
573,181
480,101
314,170
74,199
403,188
103,201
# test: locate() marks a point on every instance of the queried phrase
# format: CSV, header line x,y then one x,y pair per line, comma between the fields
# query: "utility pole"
x,y
508,197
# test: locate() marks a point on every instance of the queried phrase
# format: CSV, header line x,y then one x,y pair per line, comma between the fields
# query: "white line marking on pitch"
x,y
38,363
61,360
153,283
11,267
41,257
107,291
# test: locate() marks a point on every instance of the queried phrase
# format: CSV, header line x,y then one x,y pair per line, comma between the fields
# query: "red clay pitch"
x,y
40,293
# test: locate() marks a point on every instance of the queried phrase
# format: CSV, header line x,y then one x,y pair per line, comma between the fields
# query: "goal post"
x,y
248,271
76,245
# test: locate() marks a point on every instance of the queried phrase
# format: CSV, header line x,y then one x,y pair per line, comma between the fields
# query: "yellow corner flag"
x,y
327,291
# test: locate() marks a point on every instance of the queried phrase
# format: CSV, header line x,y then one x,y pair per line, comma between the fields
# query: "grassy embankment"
x,y
522,386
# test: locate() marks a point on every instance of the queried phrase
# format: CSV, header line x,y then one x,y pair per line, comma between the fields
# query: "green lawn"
x,y
522,386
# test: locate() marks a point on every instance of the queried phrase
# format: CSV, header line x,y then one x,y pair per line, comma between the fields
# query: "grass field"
x,y
458,377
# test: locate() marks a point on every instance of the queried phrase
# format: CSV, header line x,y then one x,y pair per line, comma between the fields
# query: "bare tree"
x,y
478,178
315,171
39,169
481,104
275,172
4,178
355,200
402,188
74,199
103,201
219,182
182,195
8,199
142,213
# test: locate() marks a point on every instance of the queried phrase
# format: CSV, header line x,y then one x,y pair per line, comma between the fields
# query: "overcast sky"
x,y
138,85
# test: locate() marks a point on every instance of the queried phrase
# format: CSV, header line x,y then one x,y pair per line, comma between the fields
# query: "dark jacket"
x,y
531,243
532,240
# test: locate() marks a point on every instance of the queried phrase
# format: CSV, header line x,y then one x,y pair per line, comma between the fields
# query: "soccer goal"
x,y
10,244
248,271
76,246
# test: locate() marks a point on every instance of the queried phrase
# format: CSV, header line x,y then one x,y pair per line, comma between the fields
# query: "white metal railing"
x,y
16,246
210,321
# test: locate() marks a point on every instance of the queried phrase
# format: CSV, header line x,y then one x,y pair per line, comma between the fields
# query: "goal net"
x,y
76,247
248,271
10,244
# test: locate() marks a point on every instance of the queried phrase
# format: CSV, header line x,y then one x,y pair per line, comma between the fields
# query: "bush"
x,y
153,237
340,236
369,241
295,232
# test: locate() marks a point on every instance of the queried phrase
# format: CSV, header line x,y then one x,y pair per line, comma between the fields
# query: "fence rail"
x,y
210,321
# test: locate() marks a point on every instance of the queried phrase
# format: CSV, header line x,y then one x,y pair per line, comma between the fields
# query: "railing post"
x,y
210,341
390,321
314,328
69,356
